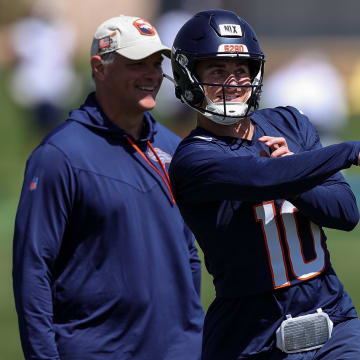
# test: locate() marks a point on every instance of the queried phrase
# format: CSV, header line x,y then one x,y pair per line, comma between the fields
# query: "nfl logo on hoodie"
x,y
33,184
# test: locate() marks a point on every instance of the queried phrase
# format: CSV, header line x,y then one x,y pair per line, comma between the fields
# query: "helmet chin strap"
x,y
235,110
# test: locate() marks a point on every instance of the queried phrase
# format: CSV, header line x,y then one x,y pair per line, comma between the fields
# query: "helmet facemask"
x,y
231,109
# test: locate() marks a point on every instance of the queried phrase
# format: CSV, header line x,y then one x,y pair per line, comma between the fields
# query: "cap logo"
x,y
107,43
104,43
182,59
144,27
233,30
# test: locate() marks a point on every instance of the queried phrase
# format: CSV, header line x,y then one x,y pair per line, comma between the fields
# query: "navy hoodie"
x,y
103,265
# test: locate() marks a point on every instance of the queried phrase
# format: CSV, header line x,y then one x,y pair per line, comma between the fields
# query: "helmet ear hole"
x,y
194,96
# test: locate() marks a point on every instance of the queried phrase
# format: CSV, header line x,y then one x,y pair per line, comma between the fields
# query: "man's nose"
x,y
231,80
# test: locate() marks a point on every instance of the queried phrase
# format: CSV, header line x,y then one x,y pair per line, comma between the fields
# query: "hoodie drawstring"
x,y
165,179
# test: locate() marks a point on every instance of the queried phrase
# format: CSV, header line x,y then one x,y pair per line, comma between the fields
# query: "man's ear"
x,y
97,67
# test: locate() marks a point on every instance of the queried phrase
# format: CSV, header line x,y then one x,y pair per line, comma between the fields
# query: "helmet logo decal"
x,y
182,59
233,48
233,30
189,95
144,27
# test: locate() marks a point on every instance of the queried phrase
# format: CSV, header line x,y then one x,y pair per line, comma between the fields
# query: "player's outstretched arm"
x,y
200,172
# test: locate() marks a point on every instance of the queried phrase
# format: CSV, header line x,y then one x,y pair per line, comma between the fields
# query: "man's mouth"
x,y
229,98
147,88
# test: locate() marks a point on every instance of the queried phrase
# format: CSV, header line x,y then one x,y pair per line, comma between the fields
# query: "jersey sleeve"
x,y
332,203
200,172
42,215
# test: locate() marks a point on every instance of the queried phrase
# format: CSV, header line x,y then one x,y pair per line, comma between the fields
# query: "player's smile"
x,y
238,96
231,94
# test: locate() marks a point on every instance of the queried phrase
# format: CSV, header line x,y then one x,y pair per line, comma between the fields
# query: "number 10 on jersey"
x,y
301,268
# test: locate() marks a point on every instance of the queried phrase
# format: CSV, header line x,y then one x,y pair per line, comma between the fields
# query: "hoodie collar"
x,y
91,115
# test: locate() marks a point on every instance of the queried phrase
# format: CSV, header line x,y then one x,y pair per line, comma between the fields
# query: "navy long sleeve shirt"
x,y
259,222
104,266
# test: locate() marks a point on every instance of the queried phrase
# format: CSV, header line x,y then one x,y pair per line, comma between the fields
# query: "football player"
x,y
258,214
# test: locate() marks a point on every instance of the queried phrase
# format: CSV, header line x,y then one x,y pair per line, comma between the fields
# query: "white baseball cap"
x,y
131,37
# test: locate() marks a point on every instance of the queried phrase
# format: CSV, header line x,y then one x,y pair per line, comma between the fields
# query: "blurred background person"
x,y
311,83
354,90
43,80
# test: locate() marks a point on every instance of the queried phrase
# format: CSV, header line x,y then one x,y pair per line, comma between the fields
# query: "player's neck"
x,y
244,129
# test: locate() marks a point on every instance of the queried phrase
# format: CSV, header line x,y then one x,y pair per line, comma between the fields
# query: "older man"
x,y
104,267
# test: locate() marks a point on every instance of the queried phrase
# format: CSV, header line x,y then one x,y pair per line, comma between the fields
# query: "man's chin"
x,y
147,104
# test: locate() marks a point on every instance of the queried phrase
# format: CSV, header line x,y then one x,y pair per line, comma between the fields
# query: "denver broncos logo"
x,y
144,27
164,157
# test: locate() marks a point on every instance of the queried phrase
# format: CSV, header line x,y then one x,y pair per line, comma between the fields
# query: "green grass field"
x,y
16,142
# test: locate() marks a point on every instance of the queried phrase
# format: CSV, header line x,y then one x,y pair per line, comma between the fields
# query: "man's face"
x,y
135,82
225,71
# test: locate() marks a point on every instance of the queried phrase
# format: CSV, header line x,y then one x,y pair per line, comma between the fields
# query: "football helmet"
x,y
215,34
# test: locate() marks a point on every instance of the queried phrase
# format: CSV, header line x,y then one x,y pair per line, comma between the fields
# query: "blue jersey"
x,y
104,266
259,222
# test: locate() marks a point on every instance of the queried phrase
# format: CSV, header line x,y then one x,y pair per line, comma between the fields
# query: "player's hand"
x,y
277,145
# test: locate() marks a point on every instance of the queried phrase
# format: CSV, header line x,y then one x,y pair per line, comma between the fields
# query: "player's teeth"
x,y
146,88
